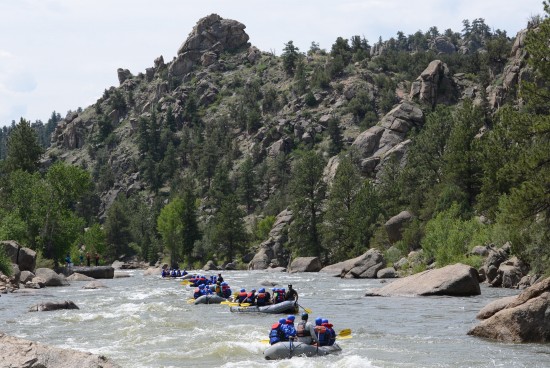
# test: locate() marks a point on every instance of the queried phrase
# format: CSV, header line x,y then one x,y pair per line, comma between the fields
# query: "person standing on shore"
x,y
88,259
97,259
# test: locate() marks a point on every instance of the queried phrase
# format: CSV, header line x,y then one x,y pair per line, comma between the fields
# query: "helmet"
x,y
318,321
283,290
289,286
282,320
274,289
201,286
291,317
325,321
305,316
243,290
253,290
224,283
262,290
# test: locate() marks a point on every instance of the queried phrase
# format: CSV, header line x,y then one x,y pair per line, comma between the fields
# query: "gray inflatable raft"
x,y
286,349
288,306
209,299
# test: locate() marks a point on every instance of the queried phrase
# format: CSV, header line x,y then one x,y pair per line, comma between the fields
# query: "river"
x,y
145,321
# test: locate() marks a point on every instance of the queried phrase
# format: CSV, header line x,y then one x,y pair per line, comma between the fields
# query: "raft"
x,y
286,349
209,299
288,306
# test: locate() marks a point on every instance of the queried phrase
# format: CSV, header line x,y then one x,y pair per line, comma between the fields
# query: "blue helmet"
x,y
325,321
282,320
243,290
291,317
318,321
201,286
274,289
262,290
253,290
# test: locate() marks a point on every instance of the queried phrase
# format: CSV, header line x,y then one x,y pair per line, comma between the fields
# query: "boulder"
x,y
16,352
50,277
51,306
305,264
25,258
94,285
79,277
268,283
123,75
524,319
26,276
276,269
97,272
210,266
394,226
512,271
495,306
272,252
453,280
434,85
152,271
364,266
386,273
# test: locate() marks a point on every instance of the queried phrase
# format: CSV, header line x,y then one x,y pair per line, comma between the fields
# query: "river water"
x,y
145,321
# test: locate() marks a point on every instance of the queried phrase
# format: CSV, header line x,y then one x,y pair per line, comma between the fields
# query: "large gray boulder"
x,y
79,277
97,272
50,277
52,306
20,353
364,266
434,85
25,258
306,264
394,226
454,280
272,252
524,319
495,306
95,285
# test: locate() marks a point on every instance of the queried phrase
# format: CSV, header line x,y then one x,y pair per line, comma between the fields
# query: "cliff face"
x,y
218,78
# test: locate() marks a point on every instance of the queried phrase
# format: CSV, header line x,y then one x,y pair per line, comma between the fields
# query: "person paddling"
x,y
305,331
291,294
277,332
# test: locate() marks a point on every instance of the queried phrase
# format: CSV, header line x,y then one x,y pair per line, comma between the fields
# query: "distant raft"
x,y
287,307
287,349
209,299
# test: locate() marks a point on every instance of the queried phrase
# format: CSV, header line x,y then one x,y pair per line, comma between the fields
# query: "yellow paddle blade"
x,y
185,282
190,301
308,311
344,332
344,337
265,341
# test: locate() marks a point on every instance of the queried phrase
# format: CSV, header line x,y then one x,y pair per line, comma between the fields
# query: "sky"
x,y
62,54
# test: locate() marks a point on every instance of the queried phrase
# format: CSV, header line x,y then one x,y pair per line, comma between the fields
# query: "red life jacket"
x,y
242,296
323,335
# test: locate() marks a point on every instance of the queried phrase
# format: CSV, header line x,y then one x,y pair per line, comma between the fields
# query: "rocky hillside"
x,y
221,105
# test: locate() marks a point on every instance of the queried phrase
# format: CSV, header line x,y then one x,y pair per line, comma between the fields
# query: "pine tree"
x,y
290,57
23,149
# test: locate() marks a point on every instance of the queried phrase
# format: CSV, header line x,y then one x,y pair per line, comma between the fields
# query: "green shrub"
x,y
448,238
264,227
5,263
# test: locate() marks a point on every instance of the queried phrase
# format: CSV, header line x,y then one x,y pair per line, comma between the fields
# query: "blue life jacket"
x,y
197,293
277,333
323,335
290,330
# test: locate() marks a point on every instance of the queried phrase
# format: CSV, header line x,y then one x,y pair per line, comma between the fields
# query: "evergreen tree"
x,y
230,234
290,57
190,227
169,226
247,183
336,139
117,228
23,149
308,190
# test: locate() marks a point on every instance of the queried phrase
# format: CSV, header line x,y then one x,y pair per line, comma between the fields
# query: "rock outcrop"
x,y
211,36
454,280
305,264
523,319
271,252
434,85
21,353
386,140
365,266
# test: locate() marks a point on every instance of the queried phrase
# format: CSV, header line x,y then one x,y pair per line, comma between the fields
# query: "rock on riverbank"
x,y
20,353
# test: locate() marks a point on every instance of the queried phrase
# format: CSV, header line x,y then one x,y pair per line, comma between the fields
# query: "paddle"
x,y
185,282
234,304
342,335
307,310
190,301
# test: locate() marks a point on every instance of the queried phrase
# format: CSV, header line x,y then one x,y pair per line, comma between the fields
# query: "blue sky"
x,y
61,54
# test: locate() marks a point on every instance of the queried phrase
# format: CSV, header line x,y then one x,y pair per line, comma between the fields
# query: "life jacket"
x,y
242,296
323,335
332,333
280,297
178,273
226,293
276,334
250,297
289,329
301,330
261,299
197,293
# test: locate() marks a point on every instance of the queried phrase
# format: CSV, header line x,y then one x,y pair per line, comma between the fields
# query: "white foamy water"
x,y
143,322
